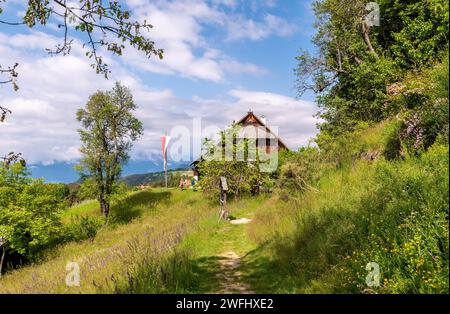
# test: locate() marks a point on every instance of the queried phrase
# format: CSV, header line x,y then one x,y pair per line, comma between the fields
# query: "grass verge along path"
x,y
218,248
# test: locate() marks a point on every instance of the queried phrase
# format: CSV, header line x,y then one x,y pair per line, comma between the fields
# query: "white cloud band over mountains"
x,y
43,125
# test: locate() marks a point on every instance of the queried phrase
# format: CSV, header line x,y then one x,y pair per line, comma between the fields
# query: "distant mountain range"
x,y
61,172
153,177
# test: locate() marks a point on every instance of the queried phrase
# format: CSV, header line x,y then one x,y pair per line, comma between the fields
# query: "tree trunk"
x,y
106,213
365,31
223,206
104,206
1,261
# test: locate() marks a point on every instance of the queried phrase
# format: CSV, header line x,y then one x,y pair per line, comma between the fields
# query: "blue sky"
x,y
222,57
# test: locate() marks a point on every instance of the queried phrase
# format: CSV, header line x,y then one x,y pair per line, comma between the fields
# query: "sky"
x,y
221,58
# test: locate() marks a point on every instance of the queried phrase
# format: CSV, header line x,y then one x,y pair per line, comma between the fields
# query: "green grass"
x,y
194,265
212,238
123,210
158,220
394,213
88,208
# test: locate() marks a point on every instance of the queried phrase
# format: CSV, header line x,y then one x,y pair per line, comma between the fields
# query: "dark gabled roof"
x,y
196,161
251,115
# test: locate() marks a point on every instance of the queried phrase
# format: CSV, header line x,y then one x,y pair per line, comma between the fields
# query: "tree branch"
x,y
365,32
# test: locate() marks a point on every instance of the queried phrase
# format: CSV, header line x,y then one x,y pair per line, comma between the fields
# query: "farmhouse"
x,y
252,127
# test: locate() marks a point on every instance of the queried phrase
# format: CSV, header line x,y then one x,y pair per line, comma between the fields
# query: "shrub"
x,y
83,227
423,98
241,176
301,171
29,211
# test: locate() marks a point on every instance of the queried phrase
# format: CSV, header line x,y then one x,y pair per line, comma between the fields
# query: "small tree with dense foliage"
x,y
29,211
109,128
231,159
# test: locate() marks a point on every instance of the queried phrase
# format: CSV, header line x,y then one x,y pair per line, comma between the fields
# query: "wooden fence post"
x,y
3,247
223,199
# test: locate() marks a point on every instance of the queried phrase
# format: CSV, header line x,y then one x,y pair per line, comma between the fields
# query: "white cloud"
x,y
39,41
242,28
43,125
179,28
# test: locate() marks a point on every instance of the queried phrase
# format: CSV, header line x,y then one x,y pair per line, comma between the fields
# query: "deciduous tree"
x,y
109,128
355,60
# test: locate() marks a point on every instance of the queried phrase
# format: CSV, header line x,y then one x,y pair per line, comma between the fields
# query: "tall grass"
x,y
108,263
392,213
193,266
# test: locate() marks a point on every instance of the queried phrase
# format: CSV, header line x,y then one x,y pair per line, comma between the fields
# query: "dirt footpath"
x,y
230,278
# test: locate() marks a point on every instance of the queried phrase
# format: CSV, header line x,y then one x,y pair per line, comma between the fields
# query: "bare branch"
x,y
3,112
13,158
365,32
91,17
12,23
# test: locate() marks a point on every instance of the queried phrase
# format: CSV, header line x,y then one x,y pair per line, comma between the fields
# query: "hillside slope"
x,y
392,213
143,231
155,177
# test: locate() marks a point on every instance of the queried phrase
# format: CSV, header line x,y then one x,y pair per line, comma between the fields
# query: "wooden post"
x,y
164,143
223,199
165,174
1,261
3,247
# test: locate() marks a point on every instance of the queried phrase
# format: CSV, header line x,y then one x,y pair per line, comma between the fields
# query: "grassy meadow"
x,y
394,213
143,229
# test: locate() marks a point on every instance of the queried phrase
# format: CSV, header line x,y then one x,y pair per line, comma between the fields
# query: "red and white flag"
x,y
164,144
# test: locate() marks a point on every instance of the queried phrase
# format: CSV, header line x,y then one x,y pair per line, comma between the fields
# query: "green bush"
x,y
423,98
241,176
300,171
29,211
83,227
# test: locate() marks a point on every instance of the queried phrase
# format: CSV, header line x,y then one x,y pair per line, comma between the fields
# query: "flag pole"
x,y
165,153
164,143
165,167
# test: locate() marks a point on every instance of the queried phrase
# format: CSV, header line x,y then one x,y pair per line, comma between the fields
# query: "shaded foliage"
x,y
356,61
